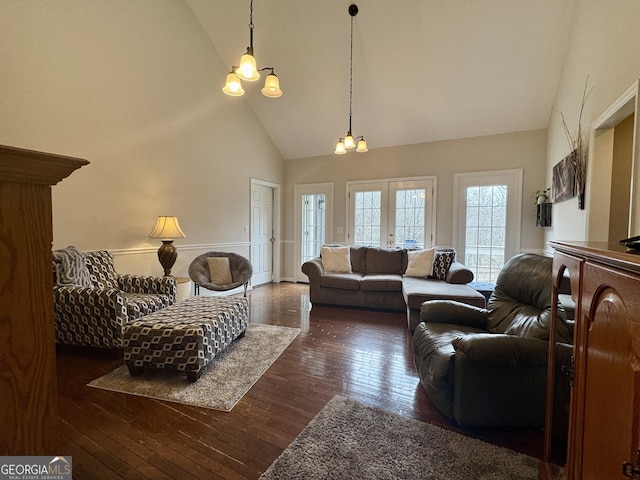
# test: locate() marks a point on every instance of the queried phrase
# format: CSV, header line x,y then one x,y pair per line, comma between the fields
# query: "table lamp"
x,y
167,228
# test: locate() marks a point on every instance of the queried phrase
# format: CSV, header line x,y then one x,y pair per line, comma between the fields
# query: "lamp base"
x,y
167,255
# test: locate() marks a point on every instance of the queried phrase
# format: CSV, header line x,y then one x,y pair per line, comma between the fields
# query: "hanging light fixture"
x,y
248,71
348,141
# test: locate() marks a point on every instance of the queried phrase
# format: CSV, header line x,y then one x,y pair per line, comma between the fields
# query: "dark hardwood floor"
x,y
364,355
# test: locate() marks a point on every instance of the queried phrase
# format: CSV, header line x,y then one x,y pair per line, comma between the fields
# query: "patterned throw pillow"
x,y
101,268
442,260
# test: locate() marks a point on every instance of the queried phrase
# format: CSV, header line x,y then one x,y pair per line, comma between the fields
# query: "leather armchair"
x,y
489,366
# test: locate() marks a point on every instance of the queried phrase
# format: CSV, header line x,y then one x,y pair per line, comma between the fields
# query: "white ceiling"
x,y
423,70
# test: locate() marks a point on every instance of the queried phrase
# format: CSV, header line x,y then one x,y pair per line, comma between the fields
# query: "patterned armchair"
x,y
93,303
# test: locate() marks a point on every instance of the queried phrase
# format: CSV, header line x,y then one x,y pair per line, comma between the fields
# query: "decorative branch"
x,y
579,143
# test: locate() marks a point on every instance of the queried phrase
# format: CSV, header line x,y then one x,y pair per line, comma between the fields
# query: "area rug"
x,y
350,440
224,382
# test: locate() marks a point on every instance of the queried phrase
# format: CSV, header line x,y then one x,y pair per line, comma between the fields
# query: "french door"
x,y
486,220
392,213
313,222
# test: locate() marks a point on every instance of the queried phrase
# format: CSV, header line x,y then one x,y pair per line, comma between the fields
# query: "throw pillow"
x,y
219,270
420,263
336,259
70,268
442,261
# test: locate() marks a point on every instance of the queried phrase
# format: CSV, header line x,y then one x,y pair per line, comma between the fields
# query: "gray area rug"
x,y
348,440
224,382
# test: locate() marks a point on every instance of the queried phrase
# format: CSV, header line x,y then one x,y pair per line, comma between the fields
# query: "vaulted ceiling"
x,y
423,70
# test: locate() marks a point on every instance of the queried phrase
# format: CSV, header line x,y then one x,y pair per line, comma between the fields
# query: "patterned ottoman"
x,y
185,336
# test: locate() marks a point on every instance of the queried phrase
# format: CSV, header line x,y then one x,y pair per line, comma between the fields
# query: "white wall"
x,y
605,46
512,150
135,88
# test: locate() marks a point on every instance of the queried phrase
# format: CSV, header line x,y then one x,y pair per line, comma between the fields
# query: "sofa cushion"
x,y
358,259
381,283
336,259
344,281
420,263
419,290
442,260
384,260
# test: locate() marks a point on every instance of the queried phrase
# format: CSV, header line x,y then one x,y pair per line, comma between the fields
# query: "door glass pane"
x,y
410,215
313,225
367,218
485,236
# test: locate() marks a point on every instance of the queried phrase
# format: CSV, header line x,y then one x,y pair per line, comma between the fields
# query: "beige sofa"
x,y
377,280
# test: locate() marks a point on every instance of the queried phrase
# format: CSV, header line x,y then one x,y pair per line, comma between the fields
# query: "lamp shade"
x,y
233,86
271,86
340,148
348,141
247,69
167,228
362,146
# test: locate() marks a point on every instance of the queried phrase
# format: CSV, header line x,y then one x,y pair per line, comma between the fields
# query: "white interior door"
x,y
262,237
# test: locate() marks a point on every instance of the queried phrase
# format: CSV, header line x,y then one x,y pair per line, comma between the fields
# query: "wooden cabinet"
x,y
27,344
604,413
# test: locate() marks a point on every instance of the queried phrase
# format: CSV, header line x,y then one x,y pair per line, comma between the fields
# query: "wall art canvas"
x,y
564,180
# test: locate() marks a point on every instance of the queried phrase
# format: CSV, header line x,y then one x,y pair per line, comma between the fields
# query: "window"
x,y
312,222
486,230
313,225
487,208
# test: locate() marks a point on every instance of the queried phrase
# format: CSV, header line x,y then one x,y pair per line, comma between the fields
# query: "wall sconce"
x,y
167,228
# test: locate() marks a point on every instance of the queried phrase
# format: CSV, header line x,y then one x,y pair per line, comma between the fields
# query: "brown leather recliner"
x,y
489,366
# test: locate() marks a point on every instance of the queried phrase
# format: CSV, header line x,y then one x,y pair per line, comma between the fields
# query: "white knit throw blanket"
x,y
70,268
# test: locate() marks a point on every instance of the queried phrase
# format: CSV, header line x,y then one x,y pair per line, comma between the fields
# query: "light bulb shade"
x,y
362,146
167,228
233,86
247,69
271,86
340,148
348,141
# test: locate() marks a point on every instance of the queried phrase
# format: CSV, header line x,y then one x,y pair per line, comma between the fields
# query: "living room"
x,y
135,88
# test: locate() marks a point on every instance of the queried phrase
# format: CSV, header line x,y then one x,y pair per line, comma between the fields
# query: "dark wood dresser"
x,y
28,414
603,414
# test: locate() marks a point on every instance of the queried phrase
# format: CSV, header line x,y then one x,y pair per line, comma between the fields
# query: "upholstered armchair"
x,y
220,271
93,303
489,366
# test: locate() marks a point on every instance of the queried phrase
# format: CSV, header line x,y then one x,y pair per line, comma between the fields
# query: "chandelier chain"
x,y
351,74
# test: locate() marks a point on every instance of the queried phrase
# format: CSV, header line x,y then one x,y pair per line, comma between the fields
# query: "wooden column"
x,y
28,413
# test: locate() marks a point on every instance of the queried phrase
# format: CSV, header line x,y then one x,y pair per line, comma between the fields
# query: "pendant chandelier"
x,y
248,71
348,141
